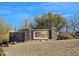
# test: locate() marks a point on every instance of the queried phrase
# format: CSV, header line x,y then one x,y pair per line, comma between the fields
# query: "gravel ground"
x,y
44,48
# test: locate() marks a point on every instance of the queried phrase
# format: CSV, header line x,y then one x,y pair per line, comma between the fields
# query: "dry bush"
x,y
75,35
63,36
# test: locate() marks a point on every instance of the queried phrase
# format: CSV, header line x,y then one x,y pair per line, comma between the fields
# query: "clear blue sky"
x,y
15,12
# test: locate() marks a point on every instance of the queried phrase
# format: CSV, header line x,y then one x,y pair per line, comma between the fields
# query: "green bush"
x,y
2,52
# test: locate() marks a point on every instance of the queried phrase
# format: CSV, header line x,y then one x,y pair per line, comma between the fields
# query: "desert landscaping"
x,y
39,29
44,48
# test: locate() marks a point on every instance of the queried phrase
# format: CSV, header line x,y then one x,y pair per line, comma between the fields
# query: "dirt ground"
x,y
44,48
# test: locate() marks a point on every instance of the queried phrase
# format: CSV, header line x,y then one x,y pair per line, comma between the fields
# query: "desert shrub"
x,y
63,36
4,38
1,52
75,35
4,29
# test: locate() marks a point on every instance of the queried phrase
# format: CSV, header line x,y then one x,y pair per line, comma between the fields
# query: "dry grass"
x,y
44,48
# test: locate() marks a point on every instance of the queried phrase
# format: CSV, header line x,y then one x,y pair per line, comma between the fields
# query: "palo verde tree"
x,y
49,20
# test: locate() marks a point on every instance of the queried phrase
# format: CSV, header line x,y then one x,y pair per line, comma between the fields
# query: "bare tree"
x,y
73,24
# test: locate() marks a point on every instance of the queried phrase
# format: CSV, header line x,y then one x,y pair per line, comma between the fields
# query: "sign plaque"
x,y
40,34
